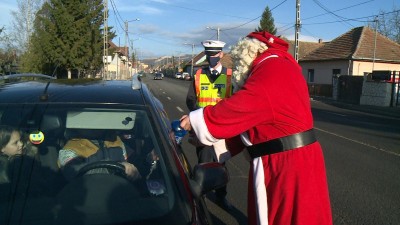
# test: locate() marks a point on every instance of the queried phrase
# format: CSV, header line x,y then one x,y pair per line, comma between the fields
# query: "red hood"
x,y
270,40
276,46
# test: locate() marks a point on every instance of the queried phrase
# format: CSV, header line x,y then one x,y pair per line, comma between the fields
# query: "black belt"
x,y
282,144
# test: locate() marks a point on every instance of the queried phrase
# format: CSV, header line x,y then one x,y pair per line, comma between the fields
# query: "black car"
x,y
47,111
158,76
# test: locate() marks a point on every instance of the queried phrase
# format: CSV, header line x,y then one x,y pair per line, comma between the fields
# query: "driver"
x,y
88,146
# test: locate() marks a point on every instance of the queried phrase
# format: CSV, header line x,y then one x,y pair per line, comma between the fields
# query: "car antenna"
x,y
45,96
55,70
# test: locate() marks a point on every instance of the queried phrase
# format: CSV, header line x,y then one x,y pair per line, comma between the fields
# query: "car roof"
x,y
64,90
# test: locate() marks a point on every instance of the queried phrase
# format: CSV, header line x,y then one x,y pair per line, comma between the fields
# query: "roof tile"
x,y
357,43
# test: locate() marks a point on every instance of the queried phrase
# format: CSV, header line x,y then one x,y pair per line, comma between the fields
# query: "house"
x,y
118,65
305,47
356,53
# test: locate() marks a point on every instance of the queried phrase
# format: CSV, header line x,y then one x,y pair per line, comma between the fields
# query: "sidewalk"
x,y
379,110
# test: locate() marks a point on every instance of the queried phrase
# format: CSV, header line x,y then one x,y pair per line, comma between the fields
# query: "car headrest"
x,y
91,134
51,124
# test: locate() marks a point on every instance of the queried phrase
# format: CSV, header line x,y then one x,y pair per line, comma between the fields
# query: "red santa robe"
x,y
284,188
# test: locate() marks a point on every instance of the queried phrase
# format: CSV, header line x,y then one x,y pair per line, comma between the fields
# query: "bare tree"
x,y
389,24
7,55
22,22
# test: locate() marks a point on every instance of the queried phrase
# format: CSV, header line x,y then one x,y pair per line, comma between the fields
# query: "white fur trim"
x,y
260,191
221,151
271,56
200,128
245,139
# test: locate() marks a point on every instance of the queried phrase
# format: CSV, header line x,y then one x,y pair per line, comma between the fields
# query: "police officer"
x,y
210,85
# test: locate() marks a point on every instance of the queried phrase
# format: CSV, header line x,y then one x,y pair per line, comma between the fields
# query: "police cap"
x,y
212,46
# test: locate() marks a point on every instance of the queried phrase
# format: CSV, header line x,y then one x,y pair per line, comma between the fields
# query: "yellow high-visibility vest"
x,y
211,93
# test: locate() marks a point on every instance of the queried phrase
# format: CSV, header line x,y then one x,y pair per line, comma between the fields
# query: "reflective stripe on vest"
x,y
211,93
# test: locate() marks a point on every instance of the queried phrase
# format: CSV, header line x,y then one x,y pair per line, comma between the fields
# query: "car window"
x,y
39,182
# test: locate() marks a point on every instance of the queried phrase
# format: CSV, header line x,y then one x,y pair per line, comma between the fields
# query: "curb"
x,y
378,110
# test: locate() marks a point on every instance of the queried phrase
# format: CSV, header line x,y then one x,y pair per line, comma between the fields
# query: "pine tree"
x,y
267,22
68,36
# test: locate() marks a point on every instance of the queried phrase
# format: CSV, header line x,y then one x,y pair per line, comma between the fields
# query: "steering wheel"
x,y
112,167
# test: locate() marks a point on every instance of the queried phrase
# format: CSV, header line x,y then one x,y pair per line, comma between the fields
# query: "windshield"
x,y
69,166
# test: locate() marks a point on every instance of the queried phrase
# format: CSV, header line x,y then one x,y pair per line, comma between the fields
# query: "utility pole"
x,y
192,58
119,46
126,43
298,26
105,40
126,46
136,57
137,52
217,29
376,33
179,61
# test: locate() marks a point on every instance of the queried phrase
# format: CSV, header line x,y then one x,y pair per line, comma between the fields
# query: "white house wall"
x,y
117,68
360,68
323,70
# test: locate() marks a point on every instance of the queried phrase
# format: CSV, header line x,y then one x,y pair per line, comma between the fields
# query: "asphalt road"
x,y
362,157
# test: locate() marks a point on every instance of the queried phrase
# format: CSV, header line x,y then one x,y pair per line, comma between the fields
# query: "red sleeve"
x,y
274,102
244,109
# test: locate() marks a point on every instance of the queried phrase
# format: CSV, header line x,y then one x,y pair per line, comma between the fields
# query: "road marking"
x,y
181,110
358,142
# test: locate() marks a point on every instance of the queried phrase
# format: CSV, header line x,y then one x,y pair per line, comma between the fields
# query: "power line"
x,y
116,10
241,25
286,27
338,10
116,14
331,12
358,19
352,19
206,11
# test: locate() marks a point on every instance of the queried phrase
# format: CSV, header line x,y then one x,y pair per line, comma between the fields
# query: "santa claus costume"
x,y
270,118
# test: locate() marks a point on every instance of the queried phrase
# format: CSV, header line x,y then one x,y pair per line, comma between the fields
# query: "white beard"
x,y
243,55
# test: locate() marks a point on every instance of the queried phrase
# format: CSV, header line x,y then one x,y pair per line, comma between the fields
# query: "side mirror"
x,y
207,177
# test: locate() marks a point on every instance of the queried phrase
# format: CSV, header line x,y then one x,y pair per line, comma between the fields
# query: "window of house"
x,y
336,72
311,75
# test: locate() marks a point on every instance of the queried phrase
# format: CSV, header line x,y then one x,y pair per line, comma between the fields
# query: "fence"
x,y
322,90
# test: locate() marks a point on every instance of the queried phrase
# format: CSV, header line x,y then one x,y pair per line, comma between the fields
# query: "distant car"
x,y
178,76
49,111
186,76
158,76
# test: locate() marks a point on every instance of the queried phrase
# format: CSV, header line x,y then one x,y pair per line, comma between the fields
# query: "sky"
x,y
176,27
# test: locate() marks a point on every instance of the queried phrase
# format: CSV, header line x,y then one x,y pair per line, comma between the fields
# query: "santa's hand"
x,y
185,123
131,171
